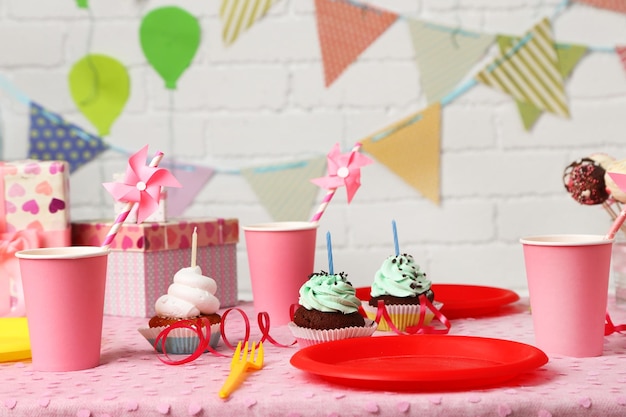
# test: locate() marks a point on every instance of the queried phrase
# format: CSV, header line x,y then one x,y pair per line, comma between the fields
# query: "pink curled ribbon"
x,y
204,337
420,327
610,328
195,326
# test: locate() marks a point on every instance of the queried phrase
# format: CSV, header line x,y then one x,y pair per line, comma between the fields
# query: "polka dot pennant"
x,y
52,138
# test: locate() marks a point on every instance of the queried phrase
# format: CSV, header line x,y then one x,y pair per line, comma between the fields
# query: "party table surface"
x,y
132,381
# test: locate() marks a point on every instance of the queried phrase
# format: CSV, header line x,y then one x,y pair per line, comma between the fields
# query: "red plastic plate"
x,y
463,300
419,363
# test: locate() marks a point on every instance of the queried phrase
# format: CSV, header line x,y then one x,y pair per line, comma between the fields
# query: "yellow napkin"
x,y
14,340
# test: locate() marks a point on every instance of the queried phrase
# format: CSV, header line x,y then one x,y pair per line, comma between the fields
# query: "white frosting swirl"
x,y
190,295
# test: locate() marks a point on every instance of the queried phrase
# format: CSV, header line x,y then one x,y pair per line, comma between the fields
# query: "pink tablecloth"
x,y
131,381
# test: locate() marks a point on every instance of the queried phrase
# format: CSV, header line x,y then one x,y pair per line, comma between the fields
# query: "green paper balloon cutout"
x,y
100,86
169,37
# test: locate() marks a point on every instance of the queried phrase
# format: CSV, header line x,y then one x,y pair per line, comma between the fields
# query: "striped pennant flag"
x,y
285,190
569,55
529,71
615,5
445,55
239,15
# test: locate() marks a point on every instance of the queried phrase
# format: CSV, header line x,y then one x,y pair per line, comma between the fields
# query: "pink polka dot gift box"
x,y
144,258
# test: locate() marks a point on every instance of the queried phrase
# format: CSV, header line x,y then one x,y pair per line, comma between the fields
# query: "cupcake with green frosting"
x,y
398,284
329,310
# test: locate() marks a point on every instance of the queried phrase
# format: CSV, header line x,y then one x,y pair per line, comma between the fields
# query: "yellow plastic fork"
x,y
240,364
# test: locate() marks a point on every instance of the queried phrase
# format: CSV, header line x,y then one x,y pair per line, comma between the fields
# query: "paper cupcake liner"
x,y
179,341
402,315
307,337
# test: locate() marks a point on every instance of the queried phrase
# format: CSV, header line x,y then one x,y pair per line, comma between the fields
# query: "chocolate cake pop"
x,y
584,179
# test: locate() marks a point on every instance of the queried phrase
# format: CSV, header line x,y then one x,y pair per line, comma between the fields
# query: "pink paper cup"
x,y
64,296
281,257
568,281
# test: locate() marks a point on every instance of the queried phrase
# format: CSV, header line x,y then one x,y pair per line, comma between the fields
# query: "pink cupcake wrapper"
x,y
307,337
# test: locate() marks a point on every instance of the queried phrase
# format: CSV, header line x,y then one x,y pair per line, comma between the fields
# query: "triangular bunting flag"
x,y
192,178
621,53
445,55
615,5
411,149
529,71
52,138
286,190
345,30
239,15
568,57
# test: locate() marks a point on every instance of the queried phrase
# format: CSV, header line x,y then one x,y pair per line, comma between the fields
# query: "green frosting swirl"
x,y
329,293
400,276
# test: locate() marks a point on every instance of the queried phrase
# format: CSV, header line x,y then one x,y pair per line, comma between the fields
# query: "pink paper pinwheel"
x,y
344,169
142,185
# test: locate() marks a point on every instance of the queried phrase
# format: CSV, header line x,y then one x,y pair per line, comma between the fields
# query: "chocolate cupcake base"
x,y
392,300
320,320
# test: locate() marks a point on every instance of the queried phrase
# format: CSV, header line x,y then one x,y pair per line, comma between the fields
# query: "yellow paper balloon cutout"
x,y
100,86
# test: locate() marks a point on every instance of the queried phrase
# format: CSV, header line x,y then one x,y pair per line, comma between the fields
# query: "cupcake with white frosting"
x,y
189,306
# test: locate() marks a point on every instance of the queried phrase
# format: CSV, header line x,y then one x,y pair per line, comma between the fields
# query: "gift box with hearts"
x,y
144,258
34,212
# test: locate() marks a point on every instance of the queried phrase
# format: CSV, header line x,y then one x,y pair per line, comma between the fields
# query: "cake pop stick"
x,y
194,246
129,206
620,181
329,249
617,224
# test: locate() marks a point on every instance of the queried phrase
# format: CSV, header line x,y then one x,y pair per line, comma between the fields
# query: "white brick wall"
x,y
262,100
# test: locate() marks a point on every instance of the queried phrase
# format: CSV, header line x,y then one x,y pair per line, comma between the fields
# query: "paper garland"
x,y
52,138
615,5
239,15
568,57
529,71
411,149
285,190
345,30
444,55
361,25
192,178
621,53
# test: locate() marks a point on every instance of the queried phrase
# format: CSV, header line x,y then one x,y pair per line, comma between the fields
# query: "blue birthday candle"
x,y
395,237
329,249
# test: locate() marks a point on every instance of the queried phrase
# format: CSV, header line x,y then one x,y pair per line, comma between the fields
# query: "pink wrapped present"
x,y
144,258
34,212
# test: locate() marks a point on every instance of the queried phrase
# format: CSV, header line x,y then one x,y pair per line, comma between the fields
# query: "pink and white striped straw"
x,y
329,195
616,225
129,206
